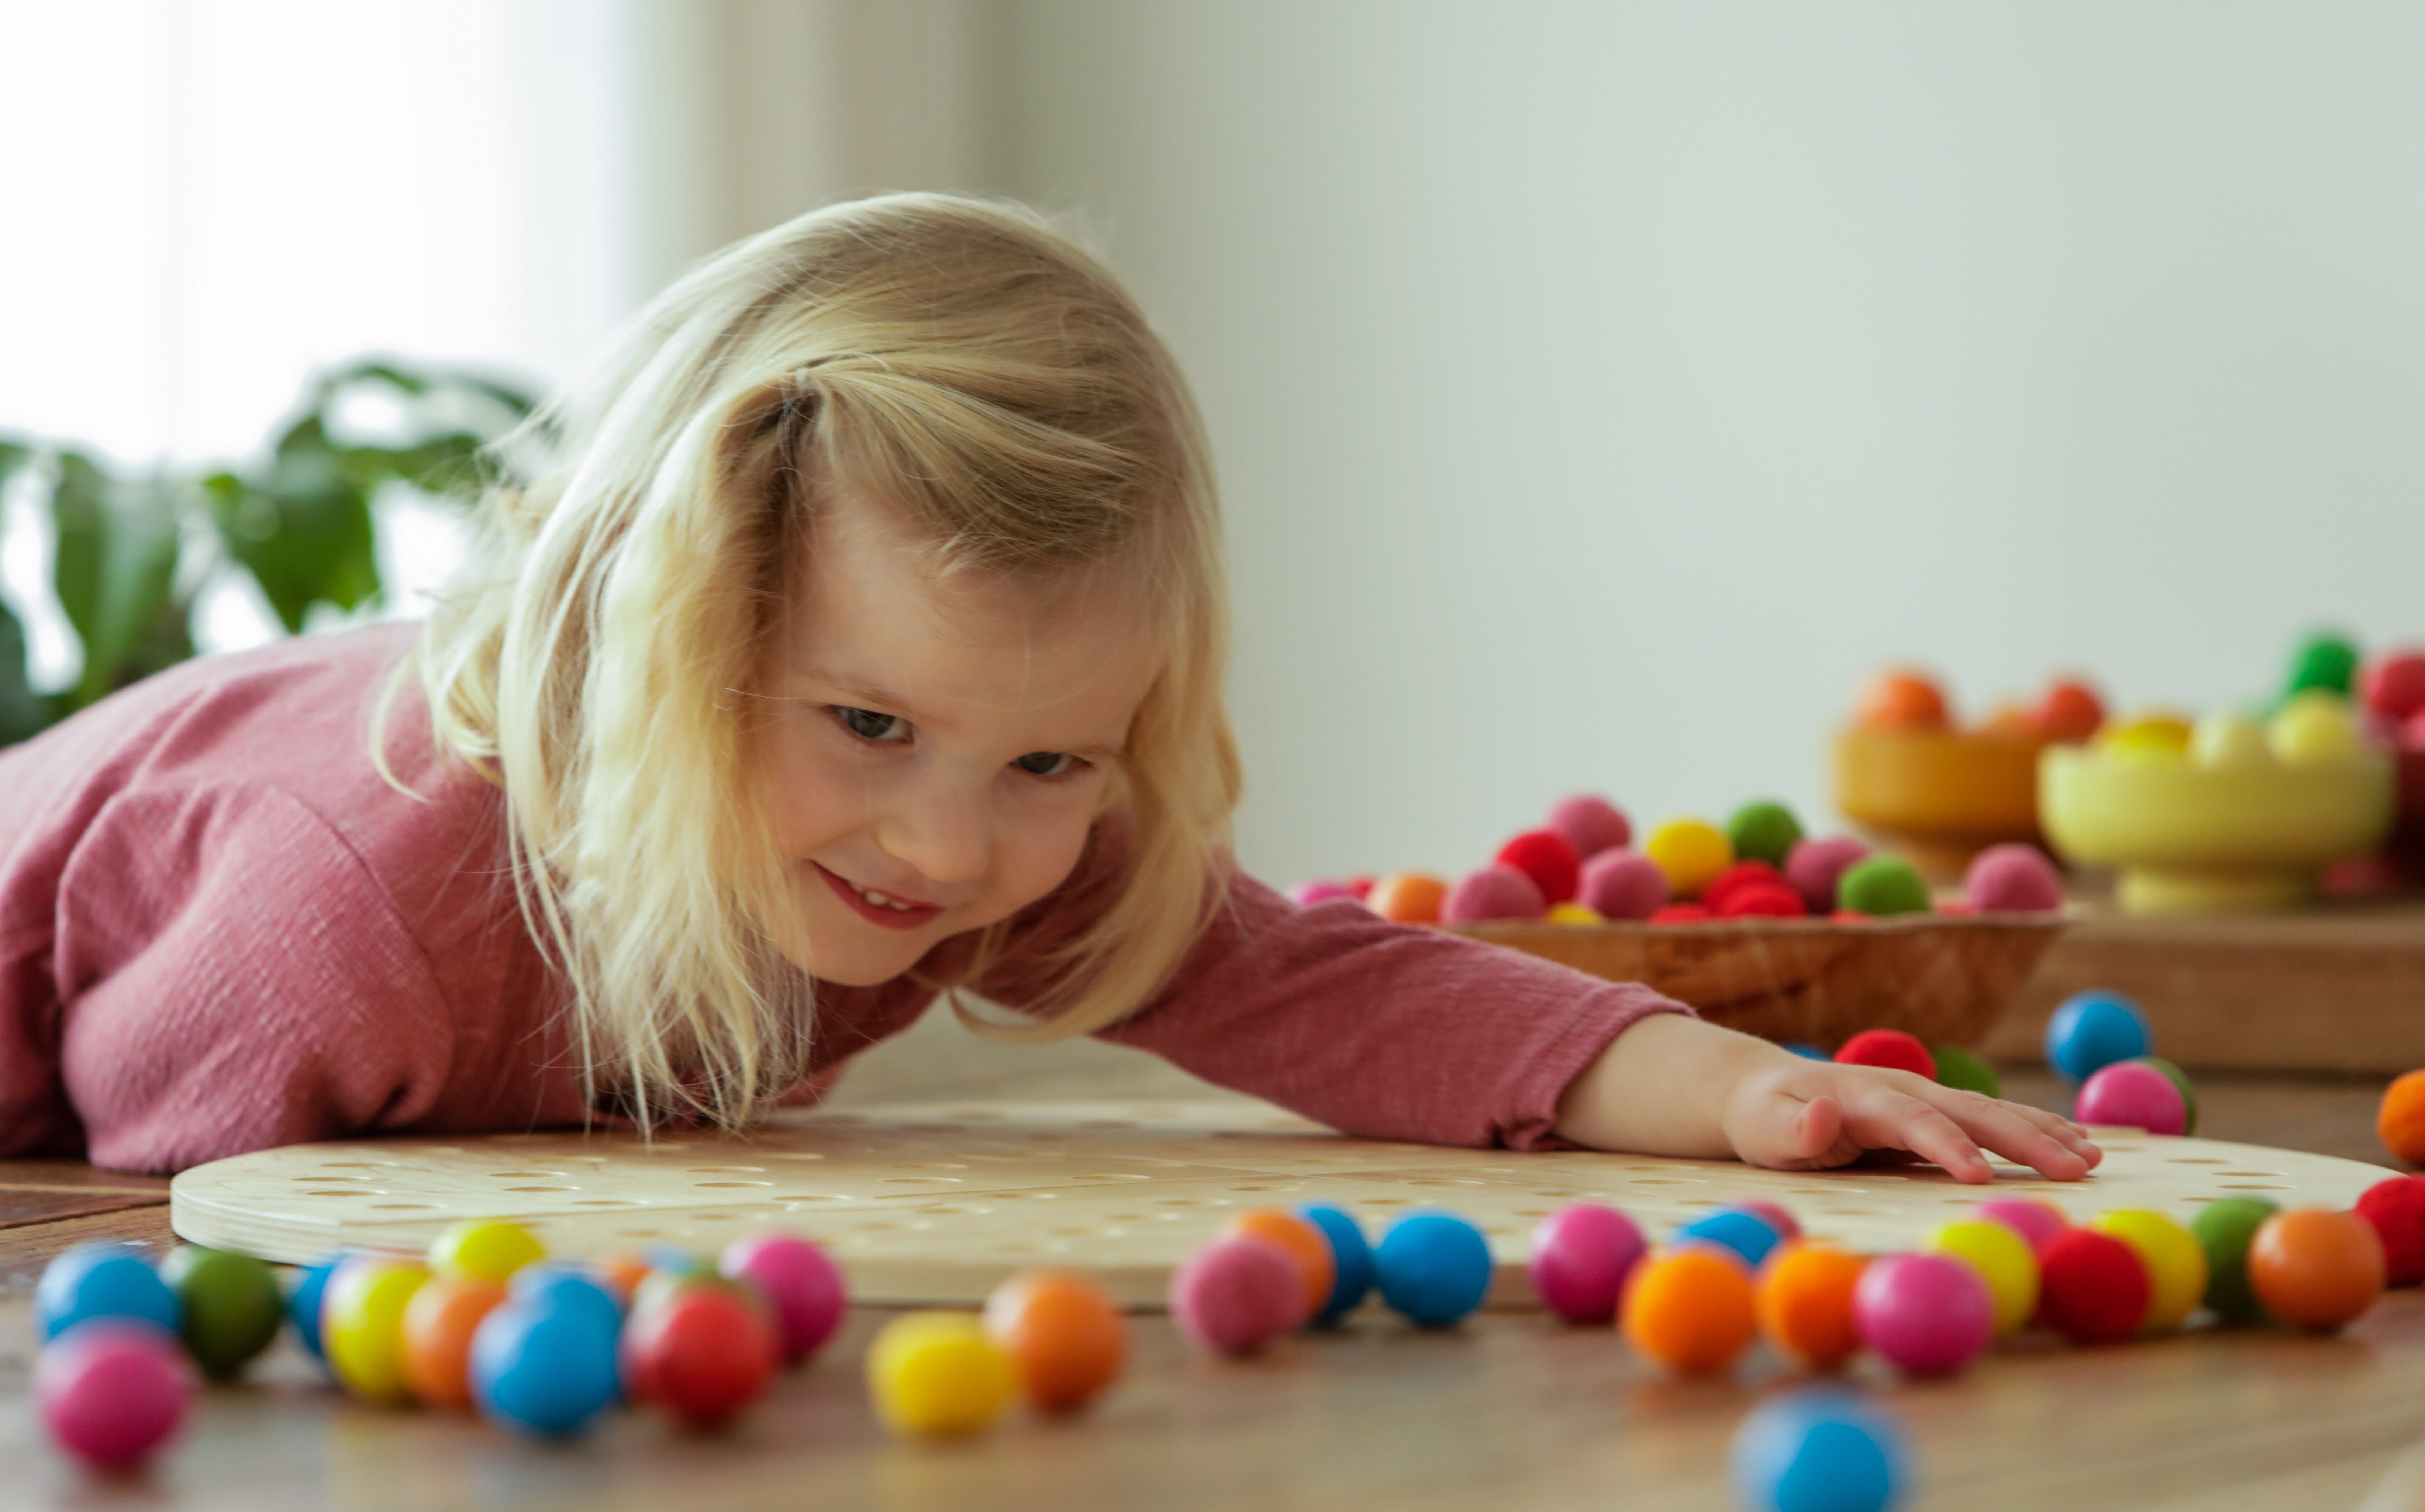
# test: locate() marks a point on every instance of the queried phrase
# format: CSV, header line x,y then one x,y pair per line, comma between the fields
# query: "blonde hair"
x,y
959,361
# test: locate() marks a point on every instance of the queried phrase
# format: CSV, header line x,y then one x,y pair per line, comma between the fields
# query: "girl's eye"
x,y
1047,763
869,726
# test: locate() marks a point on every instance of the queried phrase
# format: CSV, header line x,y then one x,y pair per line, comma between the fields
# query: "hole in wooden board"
x,y
1531,1212
2255,1173
1385,1201
2197,1160
323,1180
641,1233
2251,1186
724,1185
724,1171
403,1207
542,1188
528,1175
798,1155
608,1202
357,1192
2198,1198
355,1165
922,1181
1107,1124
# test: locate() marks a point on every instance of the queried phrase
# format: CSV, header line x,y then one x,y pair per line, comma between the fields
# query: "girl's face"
x,y
936,748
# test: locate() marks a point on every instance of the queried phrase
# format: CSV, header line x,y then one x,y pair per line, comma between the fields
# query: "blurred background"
x,y
1601,391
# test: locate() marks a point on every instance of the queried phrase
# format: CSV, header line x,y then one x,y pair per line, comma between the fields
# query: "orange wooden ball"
x,y
2070,712
1903,700
1064,1337
1305,1246
1407,898
437,1344
2401,1121
622,1275
1689,1309
1805,1300
2314,1268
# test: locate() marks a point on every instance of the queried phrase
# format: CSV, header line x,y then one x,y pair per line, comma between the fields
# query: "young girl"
x,y
862,642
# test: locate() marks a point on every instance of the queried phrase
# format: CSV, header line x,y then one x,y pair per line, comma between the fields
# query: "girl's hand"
x,y
1814,1114
1676,1086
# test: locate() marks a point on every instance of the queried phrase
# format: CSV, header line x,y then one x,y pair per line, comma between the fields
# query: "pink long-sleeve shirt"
x,y
221,929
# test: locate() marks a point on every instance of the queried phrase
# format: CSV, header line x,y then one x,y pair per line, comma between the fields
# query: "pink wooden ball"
x,y
1494,892
2134,1095
1582,1254
1591,824
2037,1223
800,1284
1622,884
1926,1315
1235,1295
113,1390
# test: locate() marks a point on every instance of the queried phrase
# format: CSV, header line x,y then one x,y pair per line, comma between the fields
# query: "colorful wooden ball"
x,y
1407,898
2322,660
2069,714
228,1306
1763,900
1548,858
1495,892
1763,831
553,1283
1622,884
103,1281
2399,1121
1235,1295
2035,1222
620,1274
800,1284
1787,1226
1689,1309
1803,1299
303,1299
2176,1263
1926,1315
1434,1268
1319,890
484,1248
1582,1254
1813,869
1304,1245
1690,852
2394,685
1681,913
2180,1081
2396,1208
1881,886
1591,824
436,1342
2131,1095
1903,699
1747,1234
2316,1269
1892,1049
1819,1451
1966,1070
2003,1260
2013,877
2093,1288
1351,1271
1581,915
361,1325
937,1373
2314,728
702,1355
2092,1030
2225,1229
112,1390
2152,735
1064,1334
1722,889
547,1371
1806,1051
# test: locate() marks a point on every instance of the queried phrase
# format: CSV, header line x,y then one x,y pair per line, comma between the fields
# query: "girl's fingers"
x,y
1904,1122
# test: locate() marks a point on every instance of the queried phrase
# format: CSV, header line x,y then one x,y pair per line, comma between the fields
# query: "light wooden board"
x,y
936,1202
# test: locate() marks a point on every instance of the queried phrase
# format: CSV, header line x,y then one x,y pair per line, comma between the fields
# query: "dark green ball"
x,y
232,1306
2224,1230
1965,1068
1880,886
2326,661
2180,1079
1764,831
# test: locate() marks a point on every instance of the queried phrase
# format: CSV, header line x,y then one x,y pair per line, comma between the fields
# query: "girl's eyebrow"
x,y
863,692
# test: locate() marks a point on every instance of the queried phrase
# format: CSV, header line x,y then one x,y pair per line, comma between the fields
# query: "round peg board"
x,y
936,1202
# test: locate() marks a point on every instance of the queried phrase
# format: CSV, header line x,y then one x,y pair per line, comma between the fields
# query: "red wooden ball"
x,y
2093,1288
1743,874
1891,1048
1681,913
702,1355
1548,858
1763,900
2396,1208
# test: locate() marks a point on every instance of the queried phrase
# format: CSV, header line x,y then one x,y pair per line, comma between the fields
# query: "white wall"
x,y
1603,389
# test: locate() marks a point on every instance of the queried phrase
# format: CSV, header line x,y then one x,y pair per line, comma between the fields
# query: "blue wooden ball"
x,y
1819,1451
1435,1269
2092,1030
1807,1051
1747,1234
543,1370
304,1301
555,1284
103,1281
1352,1259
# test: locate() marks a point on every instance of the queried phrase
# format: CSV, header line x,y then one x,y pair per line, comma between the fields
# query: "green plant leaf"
x,y
303,529
22,710
80,517
135,624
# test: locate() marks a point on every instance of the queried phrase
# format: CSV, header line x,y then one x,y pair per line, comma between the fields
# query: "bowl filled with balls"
x,y
1909,775
2234,810
1808,940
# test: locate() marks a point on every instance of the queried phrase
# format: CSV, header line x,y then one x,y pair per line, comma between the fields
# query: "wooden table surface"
x,y
1512,1410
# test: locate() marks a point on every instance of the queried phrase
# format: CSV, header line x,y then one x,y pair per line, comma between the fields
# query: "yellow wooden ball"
x,y
2002,1258
483,1249
938,1373
361,1325
1691,852
1574,914
2160,736
2176,1263
2314,728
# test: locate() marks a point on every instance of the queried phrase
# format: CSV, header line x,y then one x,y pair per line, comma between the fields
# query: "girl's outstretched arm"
x,y
1676,1086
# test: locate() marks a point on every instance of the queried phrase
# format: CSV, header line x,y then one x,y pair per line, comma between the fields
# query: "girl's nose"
x,y
939,827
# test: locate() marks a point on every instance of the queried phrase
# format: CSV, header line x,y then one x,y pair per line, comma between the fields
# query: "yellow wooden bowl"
x,y
1938,796
1945,980
2189,838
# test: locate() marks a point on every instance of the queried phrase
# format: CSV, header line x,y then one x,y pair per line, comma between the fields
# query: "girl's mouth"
x,y
878,908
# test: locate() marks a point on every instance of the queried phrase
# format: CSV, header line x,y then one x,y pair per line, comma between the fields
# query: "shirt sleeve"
x,y
1383,1031
232,977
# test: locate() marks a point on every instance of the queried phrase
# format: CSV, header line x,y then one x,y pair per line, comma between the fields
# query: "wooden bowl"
x,y
2198,839
1940,797
1945,980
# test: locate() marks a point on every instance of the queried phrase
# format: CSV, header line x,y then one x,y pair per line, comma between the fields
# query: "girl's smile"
x,y
937,744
